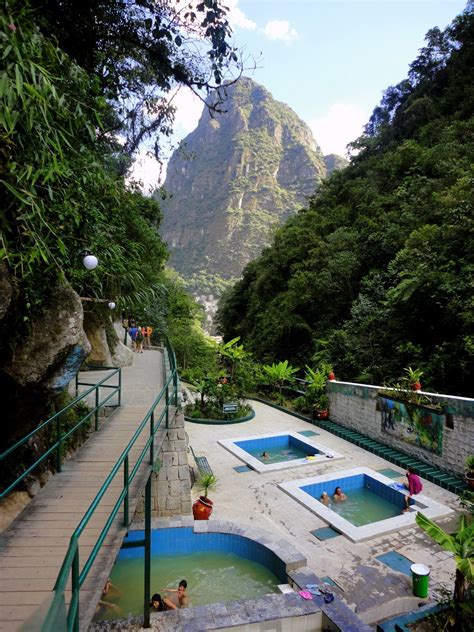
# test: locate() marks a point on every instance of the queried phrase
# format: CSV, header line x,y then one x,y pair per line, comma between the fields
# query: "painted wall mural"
x,y
413,424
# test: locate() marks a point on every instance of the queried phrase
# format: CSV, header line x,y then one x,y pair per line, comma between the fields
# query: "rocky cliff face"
x,y
233,181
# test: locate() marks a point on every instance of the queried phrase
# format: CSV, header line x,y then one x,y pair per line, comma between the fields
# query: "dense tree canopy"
x,y
81,86
377,273
138,51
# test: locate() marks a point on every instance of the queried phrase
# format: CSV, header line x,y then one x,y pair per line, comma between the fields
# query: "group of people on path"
x,y
140,335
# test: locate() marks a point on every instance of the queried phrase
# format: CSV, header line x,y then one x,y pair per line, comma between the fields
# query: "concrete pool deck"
x,y
367,585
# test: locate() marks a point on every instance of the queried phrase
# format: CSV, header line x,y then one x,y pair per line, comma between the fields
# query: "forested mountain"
x,y
234,179
377,273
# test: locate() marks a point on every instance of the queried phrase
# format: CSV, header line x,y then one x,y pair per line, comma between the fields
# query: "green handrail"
x,y
56,418
70,566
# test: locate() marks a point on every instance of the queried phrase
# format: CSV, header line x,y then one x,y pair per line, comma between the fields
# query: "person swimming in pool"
x,y
265,455
325,499
339,495
157,604
181,597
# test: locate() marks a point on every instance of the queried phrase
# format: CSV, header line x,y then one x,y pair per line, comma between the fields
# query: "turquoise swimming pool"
x,y
374,503
218,567
278,451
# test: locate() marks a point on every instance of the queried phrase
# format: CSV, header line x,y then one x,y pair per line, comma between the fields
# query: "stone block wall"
x,y
171,485
173,482
354,406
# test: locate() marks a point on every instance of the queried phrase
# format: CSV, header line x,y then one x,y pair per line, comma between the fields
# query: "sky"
x,y
329,60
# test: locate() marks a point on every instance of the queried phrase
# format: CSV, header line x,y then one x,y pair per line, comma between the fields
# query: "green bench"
x,y
202,464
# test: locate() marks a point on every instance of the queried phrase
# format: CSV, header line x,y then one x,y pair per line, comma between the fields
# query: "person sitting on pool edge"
x,y
339,495
265,455
325,499
414,485
180,594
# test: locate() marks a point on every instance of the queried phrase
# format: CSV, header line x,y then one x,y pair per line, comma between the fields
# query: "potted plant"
x,y
413,377
203,506
469,474
321,409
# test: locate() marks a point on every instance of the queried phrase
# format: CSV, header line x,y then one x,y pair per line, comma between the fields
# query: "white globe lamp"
x,y
90,262
111,305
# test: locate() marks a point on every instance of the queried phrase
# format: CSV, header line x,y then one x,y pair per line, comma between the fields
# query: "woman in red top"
x,y
414,485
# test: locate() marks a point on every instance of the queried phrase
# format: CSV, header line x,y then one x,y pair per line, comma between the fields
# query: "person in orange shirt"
x,y
147,331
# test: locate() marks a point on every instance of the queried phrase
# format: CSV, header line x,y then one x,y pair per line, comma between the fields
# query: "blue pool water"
x,y
280,448
368,500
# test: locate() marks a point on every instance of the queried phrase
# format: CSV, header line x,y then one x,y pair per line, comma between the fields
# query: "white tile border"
x,y
429,507
258,466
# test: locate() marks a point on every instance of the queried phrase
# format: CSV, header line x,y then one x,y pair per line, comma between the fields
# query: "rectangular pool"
x,y
373,506
278,451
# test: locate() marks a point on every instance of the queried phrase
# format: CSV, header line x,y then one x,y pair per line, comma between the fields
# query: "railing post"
x,y
167,404
59,442
75,587
97,408
147,569
152,432
175,386
120,388
125,500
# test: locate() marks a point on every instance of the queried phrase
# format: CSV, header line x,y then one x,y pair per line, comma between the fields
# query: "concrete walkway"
x,y
367,585
32,549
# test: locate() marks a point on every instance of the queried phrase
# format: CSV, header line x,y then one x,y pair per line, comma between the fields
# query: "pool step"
x,y
429,472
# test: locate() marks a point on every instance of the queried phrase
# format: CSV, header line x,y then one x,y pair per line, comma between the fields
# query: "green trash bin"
x,y
421,578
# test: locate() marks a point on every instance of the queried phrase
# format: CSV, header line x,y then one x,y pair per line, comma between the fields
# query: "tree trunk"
x,y
459,587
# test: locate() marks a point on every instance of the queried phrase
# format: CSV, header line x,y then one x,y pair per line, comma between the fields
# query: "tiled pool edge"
x,y
290,556
245,611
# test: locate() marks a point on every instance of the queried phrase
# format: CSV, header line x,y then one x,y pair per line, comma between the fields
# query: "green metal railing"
x,y
71,565
55,423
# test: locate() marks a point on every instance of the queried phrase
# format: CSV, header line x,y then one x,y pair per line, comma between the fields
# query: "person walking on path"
x,y
133,336
139,340
147,331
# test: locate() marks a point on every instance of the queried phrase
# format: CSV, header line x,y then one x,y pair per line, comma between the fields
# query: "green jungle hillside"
x,y
377,273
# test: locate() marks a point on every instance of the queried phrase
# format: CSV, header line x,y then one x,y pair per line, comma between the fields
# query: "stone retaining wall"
x,y
354,406
171,485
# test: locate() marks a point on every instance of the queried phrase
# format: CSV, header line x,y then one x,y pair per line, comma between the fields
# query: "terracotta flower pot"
x,y
321,414
331,376
469,477
415,386
202,508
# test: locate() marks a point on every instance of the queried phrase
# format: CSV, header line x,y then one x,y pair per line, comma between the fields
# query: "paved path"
x,y
32,549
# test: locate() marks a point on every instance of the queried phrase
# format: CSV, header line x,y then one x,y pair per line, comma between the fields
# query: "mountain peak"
x,y
239,175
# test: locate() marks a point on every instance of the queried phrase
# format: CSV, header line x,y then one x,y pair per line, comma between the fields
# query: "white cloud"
x,y
237,18
341,124
280,30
